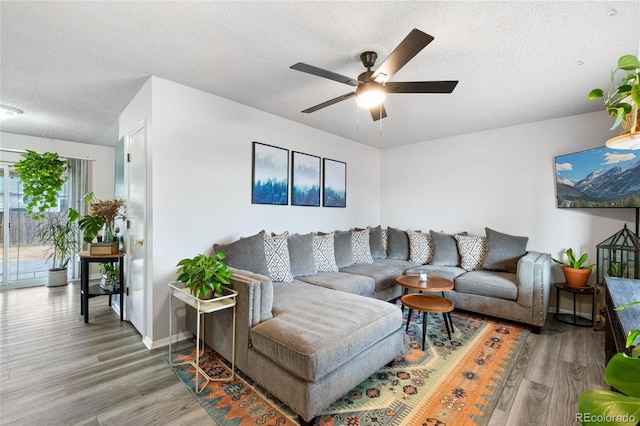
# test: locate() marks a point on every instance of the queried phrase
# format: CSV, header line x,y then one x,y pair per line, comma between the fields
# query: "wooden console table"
x,y
620,291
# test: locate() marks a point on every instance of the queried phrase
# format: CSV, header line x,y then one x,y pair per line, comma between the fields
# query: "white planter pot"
x,y
57,278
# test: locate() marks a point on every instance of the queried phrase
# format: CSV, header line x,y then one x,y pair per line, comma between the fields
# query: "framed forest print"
x,y
305,179
335,183
270,175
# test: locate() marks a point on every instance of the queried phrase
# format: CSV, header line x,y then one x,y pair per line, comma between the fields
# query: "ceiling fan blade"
x,y
420,87
310,69
407,49
330,102
378,112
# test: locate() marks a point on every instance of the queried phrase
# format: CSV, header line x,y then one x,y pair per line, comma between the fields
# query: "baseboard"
x,y
161,343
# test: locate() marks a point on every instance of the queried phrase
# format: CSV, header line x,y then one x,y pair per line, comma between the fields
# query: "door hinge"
x,y
128,157
128,224
127,292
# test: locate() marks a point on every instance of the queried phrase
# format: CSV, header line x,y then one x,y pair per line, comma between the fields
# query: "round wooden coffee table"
x,y
433,283
428,304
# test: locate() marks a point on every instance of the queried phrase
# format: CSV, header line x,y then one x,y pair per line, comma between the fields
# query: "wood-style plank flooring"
x,y
56,370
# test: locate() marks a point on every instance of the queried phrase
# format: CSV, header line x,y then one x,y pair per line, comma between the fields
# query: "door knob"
x,y
139,242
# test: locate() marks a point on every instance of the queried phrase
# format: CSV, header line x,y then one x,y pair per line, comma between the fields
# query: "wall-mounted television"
x,y
599,177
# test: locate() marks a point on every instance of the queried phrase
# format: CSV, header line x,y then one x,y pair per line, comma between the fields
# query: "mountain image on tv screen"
x,y
600,177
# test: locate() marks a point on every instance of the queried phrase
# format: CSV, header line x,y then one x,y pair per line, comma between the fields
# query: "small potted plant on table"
x,y
576,273
110,280
102,216
204,275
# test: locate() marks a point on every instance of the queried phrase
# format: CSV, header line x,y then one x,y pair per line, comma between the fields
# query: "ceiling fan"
x,y
371,86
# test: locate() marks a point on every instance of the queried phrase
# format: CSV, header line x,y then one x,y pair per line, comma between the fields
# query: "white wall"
x,y
102,176
503,179
200,147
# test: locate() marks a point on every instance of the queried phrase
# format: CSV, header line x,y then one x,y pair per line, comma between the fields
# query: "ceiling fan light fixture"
x,y
8,112
369,95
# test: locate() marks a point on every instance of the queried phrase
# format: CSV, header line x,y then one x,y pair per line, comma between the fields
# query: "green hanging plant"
x,y
622,93
42,177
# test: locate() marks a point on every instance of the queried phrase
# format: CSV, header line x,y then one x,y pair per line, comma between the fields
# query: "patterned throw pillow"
x,y
324,254
473,251
385,239
360,247
420,247
276,251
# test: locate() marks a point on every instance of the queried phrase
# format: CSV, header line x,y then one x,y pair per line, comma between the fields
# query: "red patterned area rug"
x,y
454,382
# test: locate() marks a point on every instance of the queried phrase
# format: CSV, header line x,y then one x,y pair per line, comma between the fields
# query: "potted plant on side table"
x,y
576,273
204,275
110,280
59,232
101,218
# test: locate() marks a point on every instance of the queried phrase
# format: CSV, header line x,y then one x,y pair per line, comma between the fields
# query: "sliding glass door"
x,y
24,259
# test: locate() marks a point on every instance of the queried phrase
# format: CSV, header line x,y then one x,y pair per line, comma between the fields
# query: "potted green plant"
x,y
101,218
576,273
59,232
623,96
600,407
42,177
204,275
110,276
616,269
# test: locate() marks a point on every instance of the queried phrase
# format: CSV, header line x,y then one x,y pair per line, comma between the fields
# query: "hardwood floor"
x,y
56,370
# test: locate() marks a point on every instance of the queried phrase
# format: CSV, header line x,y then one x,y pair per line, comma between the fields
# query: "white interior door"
x,y
135,187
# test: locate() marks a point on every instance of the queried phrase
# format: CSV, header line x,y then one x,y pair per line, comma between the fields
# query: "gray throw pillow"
x,y
445,249
342,246
301,255
504,251
398,244
376,244
246,253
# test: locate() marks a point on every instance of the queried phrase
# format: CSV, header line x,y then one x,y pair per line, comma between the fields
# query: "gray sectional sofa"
x,y
313,318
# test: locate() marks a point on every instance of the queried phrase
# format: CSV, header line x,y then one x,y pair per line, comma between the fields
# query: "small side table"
x,y
87,291
574,319
429,304
203,306
433,283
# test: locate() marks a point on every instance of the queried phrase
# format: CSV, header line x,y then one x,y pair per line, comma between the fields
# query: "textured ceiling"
x,y
72,67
